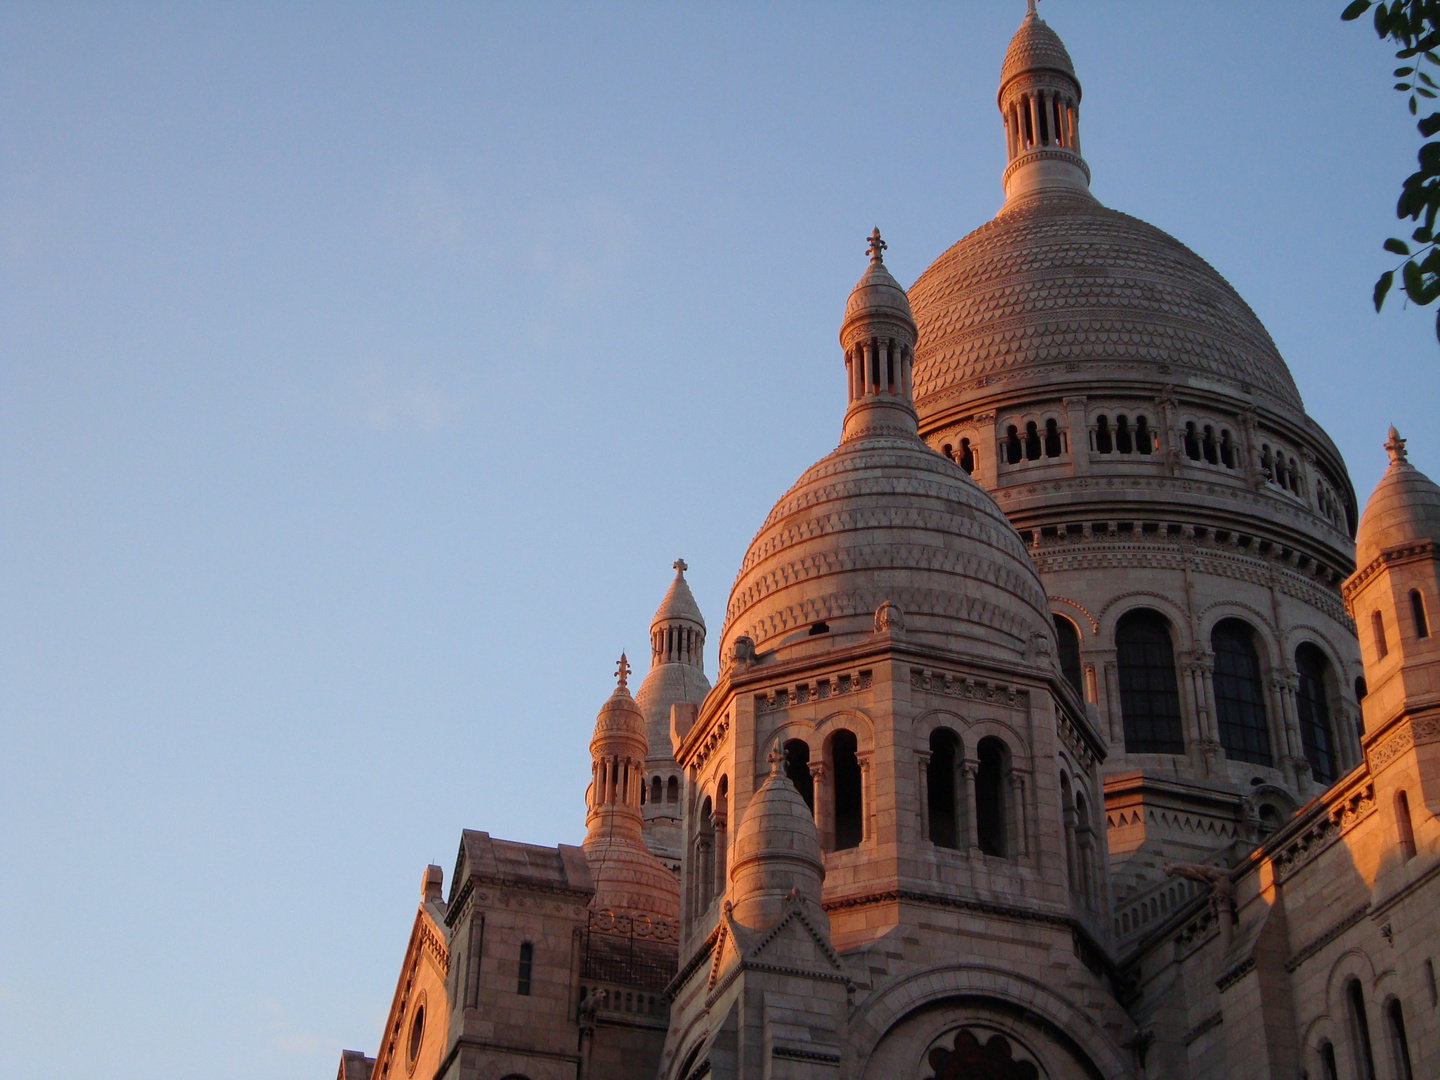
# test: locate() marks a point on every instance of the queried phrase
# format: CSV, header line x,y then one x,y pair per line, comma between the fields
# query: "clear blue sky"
x,y
364,367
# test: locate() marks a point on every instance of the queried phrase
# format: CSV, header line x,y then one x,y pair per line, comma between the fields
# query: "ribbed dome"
x,y
1058,280
1035,47
1403,508
884,518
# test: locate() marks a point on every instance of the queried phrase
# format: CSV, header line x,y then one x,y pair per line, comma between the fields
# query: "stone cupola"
x,y
777,856
1039,99
627,876
878,336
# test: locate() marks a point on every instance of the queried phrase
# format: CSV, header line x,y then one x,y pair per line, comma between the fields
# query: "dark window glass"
x,y
1417,611
1052,439
1012,446
1360,1031
940,782
967,456
1067,641
1402,1046
1239,694
1327,1059
1103,442
797,768
990,797
1312,702
849,812
1149,693
1032,441
527,959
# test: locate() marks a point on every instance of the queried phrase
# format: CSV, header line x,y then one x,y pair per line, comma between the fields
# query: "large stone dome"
x,y
885,518
1059,284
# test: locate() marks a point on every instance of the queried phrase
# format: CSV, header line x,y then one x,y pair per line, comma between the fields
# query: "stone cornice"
x,y
1414,552
986,907
1305,952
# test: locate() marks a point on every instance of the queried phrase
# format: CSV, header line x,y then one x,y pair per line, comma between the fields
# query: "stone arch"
x,y
1212,614
1353,962
929,721
854,720
1015,743
1117,607
1094,623
1031,998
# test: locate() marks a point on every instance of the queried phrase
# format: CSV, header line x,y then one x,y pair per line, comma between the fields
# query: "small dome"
x,y
1035,47
629,879
620,717
679,603
1403,508
775,851
877,295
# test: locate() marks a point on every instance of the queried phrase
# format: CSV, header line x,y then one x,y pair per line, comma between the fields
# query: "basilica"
x,y
1070,721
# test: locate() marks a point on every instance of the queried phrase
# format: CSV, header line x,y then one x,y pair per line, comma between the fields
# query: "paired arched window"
x,y
1067,642
1239,693
848,808
990,779
797,768
1149,692
942,787
1313,705
527,963
1360,1046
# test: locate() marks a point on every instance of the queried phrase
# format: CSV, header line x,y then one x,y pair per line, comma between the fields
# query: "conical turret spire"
x,y
1039,99
878,336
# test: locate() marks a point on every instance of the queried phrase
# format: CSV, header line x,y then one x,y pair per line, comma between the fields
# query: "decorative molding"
x,y
1305,952
1210,1023
1407,734
1235,974
1094,622
1339,819
792,1053
962,686
984,907
829,686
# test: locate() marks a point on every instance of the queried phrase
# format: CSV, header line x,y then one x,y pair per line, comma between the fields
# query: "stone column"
x,y
923,757
1287,686
1017,802
972,766
1079,436
867,797
986,451
822,800
1113,706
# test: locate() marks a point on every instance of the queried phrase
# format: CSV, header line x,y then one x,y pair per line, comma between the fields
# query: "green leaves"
x,y
1355,9
1382,287
1397,247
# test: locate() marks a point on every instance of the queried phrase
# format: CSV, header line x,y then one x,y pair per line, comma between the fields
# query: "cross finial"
x,y
877,246
680,566
775,757
1395,445
622,672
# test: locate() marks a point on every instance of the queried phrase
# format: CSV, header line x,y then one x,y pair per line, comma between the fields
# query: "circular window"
x,y
417,1032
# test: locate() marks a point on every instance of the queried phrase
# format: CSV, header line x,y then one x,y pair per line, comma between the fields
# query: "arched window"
x,y
527,962
672,790
1400,1046
797,768
1239,694
967,456
1032,441
1144,440
1103,442
1012,446
1327,1061
1067,641
1084,849
990,780
1123,444
1360,688
1072,861
1417,611
1052,439
1312,703
1270,821
1404,827
941,788
720,825
849,806
1149,693
656,790
1359,1031
1192,442
1227,449
1377,627
1430,983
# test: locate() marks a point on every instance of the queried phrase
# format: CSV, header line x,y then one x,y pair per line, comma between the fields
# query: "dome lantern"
x,y
878,336
1039,100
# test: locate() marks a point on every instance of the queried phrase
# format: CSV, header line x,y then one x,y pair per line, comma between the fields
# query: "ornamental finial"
x,y
622,672
775,757
1030,11
1396,446
877,246
680,566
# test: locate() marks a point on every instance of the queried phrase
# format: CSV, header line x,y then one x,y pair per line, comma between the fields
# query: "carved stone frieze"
x,y
829,686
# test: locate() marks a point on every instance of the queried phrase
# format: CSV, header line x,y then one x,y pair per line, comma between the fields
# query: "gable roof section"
x,y
483,860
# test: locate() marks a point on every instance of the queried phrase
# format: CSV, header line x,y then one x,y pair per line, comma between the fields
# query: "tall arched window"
x,y
1404,827
527,962
1067,641
1327,1061
1377,628
1313,705
990,780
1417,612
1359,1031
656,790
1149,694
797,768
849,807
672,790
1239,694
941,788
1399,1045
